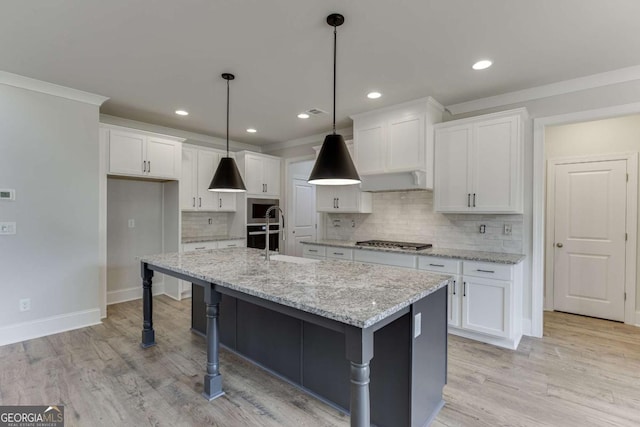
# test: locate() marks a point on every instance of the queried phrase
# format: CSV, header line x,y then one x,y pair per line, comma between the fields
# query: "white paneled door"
x,y
303,223
589,238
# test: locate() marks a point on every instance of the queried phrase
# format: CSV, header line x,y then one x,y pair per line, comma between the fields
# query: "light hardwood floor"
x,y
584,372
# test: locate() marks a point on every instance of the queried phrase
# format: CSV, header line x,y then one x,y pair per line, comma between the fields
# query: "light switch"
x,y
132,223
417,326
7,228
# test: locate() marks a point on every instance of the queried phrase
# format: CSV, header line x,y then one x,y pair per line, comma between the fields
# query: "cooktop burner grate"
x,y
394,245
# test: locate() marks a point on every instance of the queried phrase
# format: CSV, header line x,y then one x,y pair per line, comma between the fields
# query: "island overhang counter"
x,y
339,324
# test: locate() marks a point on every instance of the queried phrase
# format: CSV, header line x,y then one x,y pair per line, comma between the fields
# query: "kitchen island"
x,y
375,334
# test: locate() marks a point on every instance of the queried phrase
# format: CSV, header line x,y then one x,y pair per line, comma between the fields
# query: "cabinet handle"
x,y
464,289
338,202
199,202
474,200
194,202
338,253
454,287
313,250
149,166
468,200
266,188
334,202
220,204
201,247
144,166
486,271
231,246
437,265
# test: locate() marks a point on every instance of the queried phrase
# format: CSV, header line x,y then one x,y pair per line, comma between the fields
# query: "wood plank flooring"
x,y
584,372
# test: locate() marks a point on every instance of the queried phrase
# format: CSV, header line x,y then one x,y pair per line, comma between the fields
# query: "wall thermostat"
x,y
6,194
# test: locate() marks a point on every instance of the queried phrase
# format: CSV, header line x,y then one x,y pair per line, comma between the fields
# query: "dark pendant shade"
x,y
227,177
334,165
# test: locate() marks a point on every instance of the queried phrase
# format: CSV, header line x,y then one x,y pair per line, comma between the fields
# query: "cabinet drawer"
x,y
385,258
443,265
488,270
314,251
199,246
340,253
231,244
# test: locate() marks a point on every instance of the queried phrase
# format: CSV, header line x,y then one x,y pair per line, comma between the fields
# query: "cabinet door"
x,y
325,198
207,165
253,174
486,306
496,165
453,301
126,153
272,176
452,165
406,144
227,202
369,148
189,179
347,198
163,157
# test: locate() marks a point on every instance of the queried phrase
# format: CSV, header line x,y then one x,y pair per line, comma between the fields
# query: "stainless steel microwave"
x,y
257,208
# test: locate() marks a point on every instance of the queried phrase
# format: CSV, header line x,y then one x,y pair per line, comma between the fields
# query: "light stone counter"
x,y
349,292
467,255
209,239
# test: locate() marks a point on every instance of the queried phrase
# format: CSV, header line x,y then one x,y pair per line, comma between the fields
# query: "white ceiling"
x,y
152,57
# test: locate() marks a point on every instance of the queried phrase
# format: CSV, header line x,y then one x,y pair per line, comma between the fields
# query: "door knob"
x,y
559,245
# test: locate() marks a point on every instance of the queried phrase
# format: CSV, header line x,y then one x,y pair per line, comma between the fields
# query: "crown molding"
x,y
190,137
312,139
34,85
593,81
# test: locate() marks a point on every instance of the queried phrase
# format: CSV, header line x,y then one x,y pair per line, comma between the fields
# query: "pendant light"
x,y
227,177
334,165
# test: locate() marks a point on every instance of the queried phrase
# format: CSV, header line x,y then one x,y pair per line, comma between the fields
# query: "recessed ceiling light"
x,y
374,95
303,116
251,130
481,65
182,112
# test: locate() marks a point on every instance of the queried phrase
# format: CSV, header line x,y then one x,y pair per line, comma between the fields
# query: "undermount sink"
x,y
293,259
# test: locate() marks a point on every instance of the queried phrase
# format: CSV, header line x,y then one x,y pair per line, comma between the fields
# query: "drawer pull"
x,y
313,250
201,247
454,287
338,253
231,246
437,265
485,271
464,289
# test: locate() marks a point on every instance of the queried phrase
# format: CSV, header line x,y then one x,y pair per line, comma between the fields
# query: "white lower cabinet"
x,y
484,300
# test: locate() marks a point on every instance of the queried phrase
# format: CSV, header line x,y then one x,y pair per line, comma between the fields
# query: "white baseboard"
x,y
526,327
638,319
130,294
48,326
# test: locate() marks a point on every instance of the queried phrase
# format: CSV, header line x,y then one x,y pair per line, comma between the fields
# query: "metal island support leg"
x,y
213,378
148,334
359,345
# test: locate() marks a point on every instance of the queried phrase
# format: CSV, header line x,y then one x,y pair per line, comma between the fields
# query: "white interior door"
x,y
302,225
589,238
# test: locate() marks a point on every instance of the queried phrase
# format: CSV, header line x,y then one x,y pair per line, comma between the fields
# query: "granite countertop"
x,y
210,239
463,254
349,292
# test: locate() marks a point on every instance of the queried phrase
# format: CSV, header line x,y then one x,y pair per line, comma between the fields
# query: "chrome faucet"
x,y
266,246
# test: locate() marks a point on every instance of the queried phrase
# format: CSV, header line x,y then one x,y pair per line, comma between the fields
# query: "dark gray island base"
x,y
385,370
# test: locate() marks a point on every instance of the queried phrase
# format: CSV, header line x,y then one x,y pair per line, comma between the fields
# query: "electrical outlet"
x,y
417,325
25,304
132,223
507,229
7,228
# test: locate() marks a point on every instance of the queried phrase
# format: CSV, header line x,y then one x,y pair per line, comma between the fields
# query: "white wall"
x,y
617,135
49,155
141,201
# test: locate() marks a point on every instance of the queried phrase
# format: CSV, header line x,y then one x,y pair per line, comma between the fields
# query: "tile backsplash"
x,y
408,216
197,225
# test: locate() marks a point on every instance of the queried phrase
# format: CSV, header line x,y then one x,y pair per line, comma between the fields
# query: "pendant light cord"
x,y
227,118
335,47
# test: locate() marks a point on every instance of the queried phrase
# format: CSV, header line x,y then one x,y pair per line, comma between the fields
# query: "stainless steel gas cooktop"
x,y
394,245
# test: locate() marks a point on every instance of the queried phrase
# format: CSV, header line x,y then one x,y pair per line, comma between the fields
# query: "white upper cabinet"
x,y
142,154
261,173
198,167
479,164
394,142
342,198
